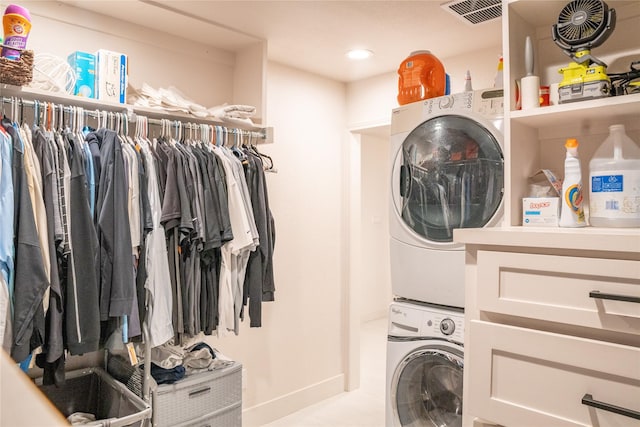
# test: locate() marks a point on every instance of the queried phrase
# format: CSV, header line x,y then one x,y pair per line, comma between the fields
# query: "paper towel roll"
x,y
530,92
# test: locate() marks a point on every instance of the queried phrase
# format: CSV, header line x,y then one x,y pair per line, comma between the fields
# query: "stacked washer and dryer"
x,y
447,173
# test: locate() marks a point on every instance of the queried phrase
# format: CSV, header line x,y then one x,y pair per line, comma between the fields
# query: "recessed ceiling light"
x,y
359,54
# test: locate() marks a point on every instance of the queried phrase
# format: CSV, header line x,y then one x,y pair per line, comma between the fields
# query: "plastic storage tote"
x,y
95,392
212,398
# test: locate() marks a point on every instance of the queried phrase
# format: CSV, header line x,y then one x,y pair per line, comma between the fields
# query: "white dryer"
x,y
447,173
425,365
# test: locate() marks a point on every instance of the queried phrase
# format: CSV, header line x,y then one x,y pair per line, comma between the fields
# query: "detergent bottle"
x,y
420,76
16,23
498,81
614,181
571,210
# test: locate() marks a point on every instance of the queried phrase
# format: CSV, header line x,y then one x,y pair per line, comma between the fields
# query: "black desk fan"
x,y
583,25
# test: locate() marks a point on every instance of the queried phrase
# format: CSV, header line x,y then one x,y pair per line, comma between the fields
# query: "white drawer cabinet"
x,y
590,292
552,327
523,377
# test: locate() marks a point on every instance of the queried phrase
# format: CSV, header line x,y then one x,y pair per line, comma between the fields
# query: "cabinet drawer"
x,y
524,377
561,289
197,397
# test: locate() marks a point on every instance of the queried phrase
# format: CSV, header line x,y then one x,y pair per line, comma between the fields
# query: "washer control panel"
x,y
447,326
443,325
422,320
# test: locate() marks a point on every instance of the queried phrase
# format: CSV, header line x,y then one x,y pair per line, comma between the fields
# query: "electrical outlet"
x,y
244,378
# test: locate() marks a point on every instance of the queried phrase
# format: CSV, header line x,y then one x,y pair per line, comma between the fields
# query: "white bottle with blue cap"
x,y
614,181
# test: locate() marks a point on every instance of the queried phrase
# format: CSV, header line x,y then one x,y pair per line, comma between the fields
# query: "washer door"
x,y
448,173
427,388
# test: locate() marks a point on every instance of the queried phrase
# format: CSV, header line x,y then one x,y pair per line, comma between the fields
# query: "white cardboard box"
x,y
111,82
540,211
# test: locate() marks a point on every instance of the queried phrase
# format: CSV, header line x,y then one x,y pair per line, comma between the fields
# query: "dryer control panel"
x,y
488,102
449,103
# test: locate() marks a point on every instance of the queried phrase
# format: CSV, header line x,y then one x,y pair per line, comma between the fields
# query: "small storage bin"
x,y
211,399
95,392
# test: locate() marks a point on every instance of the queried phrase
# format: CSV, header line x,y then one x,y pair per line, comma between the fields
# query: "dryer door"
x,y
427,388
448,173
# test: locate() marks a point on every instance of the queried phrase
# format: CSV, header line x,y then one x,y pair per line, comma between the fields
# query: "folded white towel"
x,y
235,110
172,99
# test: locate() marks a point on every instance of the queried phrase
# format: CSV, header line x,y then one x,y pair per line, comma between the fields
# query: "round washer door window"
x,y
427,388
451,176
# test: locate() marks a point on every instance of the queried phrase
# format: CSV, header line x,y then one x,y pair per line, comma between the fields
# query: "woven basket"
x,y
17,73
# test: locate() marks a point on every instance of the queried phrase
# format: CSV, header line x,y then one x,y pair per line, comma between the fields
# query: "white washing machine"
x,y
425,362
447,173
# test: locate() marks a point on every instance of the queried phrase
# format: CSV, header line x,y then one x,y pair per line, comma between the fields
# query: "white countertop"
x,y
585,238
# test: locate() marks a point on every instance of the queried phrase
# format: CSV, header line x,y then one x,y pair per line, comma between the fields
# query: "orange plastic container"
x,y
420,76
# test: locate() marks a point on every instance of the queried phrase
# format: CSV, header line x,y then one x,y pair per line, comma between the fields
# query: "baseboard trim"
x,y
279,407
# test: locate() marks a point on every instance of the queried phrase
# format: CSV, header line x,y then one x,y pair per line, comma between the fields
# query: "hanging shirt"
x,y
5,317
6,211
133,203
81,309
160,302
53,346
30,279
233,252
34,179
116,263
64,184
90,175
259,278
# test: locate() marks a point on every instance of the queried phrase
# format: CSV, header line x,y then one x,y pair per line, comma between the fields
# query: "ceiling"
x,y
314,35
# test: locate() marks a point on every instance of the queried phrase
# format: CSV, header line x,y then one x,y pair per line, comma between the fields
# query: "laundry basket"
x,y
95,392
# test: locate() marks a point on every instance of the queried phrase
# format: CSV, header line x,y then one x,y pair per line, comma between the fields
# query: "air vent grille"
x,y
475,12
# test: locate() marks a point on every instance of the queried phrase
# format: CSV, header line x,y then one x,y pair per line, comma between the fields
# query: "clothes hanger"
x,y
268,164
13,109
36,113
21,111
60,117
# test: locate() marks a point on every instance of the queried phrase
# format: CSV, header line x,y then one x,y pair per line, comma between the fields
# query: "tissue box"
x,y
84,64
540,211
112,76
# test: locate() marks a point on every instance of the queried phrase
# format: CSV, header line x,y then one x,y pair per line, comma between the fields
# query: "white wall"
x,y
376,277
154,58
296,357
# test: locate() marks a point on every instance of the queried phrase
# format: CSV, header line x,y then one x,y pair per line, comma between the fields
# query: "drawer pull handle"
x,y
588,400
615,297
196,393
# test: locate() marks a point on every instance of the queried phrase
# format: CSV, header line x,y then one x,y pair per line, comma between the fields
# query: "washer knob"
x,y
447,326
446,102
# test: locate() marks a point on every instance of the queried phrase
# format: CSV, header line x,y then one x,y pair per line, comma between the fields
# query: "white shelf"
x,y
532,136
96,104
586,238
626,106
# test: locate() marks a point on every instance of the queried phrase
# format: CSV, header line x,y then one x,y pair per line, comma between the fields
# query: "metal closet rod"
x,y
131,114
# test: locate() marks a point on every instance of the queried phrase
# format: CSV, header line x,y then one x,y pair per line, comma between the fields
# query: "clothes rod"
x,y
91,109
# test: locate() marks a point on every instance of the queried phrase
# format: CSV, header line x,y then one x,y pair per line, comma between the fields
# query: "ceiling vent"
x,y
475,12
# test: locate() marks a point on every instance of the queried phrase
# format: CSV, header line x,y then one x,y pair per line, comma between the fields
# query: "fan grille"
x,y
474,11
581,20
